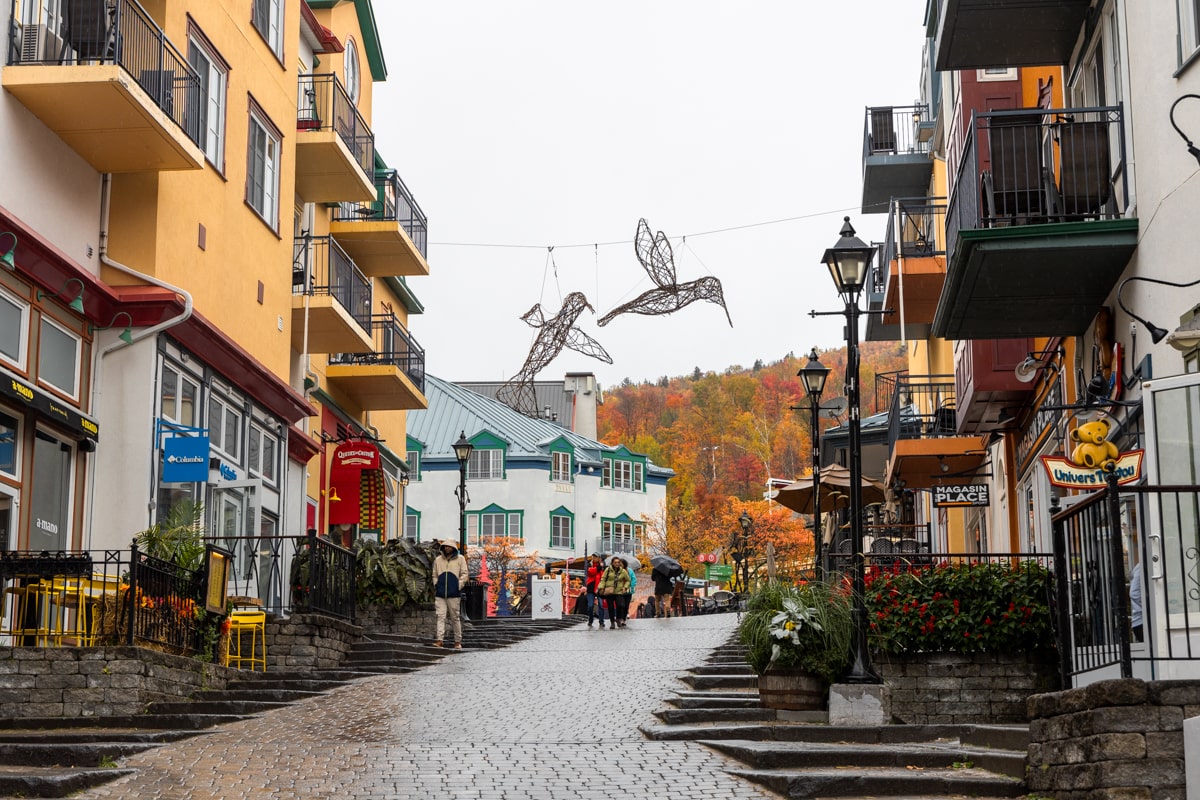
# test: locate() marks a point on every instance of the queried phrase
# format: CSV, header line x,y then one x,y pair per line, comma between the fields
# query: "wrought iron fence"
x,y
894,130
922,407
323,578
324,104
394,345
321,267
119,32
393,203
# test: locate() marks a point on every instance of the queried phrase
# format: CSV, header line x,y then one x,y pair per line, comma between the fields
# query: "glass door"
x,y
50,496
234,525
9,508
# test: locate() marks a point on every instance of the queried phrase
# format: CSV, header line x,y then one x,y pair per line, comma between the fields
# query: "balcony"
x,y
974,34
923,434
387,235
896,160
335,148
1035,226
109,83
388,377
909,271
331,299
990,396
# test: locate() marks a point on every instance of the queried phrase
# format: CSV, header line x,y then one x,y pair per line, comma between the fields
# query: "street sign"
x,y
718,572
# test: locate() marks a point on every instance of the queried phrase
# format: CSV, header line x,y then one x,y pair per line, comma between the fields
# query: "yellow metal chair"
x,y
250,625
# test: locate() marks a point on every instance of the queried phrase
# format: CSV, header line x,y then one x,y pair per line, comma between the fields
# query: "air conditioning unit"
x,y
40,44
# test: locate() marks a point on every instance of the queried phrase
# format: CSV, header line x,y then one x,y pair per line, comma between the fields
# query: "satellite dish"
x,y
832,409
1027,370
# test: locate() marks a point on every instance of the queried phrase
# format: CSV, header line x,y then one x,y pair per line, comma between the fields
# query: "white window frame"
x,y
1187,13
606,474
273,35
73,392
262,170
413,457
352,70
214,81
22,309
412,526
486,464
18,430
639,476
259,466
996,74
228,412
181,377
560,466
557,539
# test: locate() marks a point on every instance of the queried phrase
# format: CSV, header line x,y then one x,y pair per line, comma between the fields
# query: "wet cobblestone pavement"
x,y
555,716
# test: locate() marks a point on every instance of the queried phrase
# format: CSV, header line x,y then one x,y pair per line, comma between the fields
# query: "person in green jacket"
x,y
614,588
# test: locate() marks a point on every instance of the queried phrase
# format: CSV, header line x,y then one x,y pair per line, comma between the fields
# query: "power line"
x,y
630,241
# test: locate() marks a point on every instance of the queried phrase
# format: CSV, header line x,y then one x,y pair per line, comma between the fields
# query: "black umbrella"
x,y
666,565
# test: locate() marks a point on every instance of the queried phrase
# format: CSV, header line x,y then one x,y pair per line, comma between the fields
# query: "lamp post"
x,y
747,524
813,375
848,262
462,451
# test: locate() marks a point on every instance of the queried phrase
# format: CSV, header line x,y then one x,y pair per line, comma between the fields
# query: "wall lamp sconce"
x,y
126,335
75,305
404,478
1195,151
1027,370
8,258
1157,334
1186,337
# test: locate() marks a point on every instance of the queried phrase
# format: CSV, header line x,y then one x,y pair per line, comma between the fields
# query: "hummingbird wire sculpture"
x,y
654,252
555,333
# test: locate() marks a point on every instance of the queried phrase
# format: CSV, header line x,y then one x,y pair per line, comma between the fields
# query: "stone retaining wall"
x,y
97,681
974,688
409,620
1112,739
308,641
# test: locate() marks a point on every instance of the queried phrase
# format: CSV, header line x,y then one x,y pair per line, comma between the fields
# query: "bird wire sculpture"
x,y
555,333
654,253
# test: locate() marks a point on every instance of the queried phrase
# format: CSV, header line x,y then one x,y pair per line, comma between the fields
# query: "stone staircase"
x,y
798,754
56,757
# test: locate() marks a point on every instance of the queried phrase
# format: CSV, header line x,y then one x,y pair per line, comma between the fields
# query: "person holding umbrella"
x,y
665,569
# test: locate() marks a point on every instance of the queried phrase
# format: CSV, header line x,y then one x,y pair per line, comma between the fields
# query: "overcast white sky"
x,y
561,122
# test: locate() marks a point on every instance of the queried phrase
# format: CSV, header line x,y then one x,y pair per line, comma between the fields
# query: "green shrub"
x,y
804,627
394,573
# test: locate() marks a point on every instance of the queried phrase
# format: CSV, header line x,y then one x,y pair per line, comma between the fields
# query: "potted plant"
x,y
798,641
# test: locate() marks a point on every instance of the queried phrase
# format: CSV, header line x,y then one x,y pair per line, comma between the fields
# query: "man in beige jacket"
x,y
449,578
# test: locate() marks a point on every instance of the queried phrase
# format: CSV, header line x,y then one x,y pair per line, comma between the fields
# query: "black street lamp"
x,y
848,262
747,524
462,451
813,375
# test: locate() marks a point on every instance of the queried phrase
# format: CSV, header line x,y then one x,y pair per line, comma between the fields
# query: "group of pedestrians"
x,y
609,591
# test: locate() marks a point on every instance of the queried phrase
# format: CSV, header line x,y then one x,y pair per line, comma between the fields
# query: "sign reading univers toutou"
x,y
961,496
547,598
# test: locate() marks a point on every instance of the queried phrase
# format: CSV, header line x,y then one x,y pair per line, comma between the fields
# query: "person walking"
x,y
663,584
449,574
614,590
595,603
629,596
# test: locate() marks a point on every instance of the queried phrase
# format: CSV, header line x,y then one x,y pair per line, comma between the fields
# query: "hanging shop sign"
x,y
47,405
185,459
1066,474
969,495
356,481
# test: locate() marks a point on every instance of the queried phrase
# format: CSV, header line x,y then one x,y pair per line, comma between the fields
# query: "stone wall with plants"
x,y
97,681
309,641
1112,739
965,688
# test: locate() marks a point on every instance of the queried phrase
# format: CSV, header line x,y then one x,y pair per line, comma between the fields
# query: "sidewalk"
x,y
555,716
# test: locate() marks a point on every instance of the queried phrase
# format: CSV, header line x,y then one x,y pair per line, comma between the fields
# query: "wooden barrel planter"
x,y
791,690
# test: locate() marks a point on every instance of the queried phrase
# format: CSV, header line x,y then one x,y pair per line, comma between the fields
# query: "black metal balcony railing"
x,y
914,230
118,32
323,578
1039,166
321,267
394,345
894,130
324,104
922,407
393,203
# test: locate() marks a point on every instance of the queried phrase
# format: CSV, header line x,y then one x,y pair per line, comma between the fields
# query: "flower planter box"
x,y
792,690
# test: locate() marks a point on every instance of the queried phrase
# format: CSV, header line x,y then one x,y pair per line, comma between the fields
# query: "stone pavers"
x,y
554,716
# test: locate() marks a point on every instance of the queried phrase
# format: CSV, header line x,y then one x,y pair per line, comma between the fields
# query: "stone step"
x,y
807,755
749,701
73,754
22,781
693,716
703,682
159,722
258,695
231,707
884,782
374,663
101,735
742,669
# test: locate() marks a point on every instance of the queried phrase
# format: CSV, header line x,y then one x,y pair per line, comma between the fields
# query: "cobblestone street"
x,y
555,716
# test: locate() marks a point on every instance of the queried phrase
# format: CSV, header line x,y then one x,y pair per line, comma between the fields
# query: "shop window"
x,y
58,358
50,499
225,428
10,438
14,323
179,395
263,453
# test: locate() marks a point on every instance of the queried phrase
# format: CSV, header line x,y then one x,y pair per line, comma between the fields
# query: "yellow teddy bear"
x,y
1094,451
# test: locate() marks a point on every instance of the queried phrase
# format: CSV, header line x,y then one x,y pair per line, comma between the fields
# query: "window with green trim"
x,y
485,465
623,474
560,531
412,525
491,524
560,467
621,536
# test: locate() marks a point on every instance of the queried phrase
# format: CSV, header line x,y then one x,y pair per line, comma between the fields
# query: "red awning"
x,y
356,485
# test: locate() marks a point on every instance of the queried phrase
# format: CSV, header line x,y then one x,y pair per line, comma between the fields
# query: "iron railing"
x,y
394,345
321,267
914,230
324,104
1038,166
117,32
922,407
393,203
894,130
323,578
609,545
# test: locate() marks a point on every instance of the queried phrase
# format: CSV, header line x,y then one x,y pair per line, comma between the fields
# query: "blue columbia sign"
x,y
185,459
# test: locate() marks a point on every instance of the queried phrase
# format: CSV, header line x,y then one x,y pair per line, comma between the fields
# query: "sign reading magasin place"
x,y
961,496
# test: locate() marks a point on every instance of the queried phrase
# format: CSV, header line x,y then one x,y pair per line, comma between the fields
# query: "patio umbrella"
x,y
835,480
630,561
666,565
